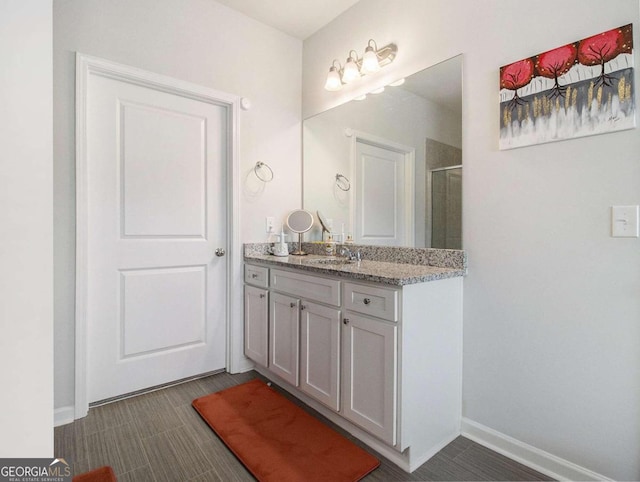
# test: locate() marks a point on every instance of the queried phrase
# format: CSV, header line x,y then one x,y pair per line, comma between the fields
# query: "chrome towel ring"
x,y
342,182
267,173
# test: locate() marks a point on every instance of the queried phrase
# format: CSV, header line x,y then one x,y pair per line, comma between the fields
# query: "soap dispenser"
x,y
281,248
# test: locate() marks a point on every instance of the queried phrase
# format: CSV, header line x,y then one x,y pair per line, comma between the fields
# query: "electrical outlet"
x,y
269,222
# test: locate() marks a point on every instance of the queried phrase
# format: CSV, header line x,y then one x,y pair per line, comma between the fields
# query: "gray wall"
x,y
551,301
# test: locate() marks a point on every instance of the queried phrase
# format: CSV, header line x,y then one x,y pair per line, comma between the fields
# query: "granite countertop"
x,y
385,272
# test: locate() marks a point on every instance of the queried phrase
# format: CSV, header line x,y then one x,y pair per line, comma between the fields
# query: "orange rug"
x,y
103,474
277,440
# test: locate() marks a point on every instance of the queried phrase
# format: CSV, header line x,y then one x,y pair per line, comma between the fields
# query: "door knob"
x,y
220,252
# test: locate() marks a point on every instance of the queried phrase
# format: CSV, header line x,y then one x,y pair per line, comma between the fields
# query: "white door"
x,y
284,333
383,197
320,353
156,291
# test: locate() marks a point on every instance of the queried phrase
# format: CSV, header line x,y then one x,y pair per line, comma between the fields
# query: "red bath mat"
x,y
277,440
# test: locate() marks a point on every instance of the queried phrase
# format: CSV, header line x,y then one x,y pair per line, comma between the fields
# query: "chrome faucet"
x,y
346,252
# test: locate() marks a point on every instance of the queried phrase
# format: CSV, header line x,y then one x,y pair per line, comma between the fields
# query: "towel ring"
x,y
342,182
259,165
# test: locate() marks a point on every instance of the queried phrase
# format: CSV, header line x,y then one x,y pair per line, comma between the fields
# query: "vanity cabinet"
x,y
383,362
256,322
284,337
369,382
320,353
256,313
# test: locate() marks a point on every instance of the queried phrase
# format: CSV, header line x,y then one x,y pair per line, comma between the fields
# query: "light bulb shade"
x,y
333,82
370,62
351,71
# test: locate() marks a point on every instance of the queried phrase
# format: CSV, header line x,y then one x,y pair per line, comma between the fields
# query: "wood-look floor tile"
x,y
211,476
441,467
224,462
70,442
130,447
160,437
106,416
103,450
184,393
80,466
174,456
495,466
141,474
153,414
200,431
221,381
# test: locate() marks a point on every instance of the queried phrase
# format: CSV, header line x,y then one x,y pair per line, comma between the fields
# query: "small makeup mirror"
x,y
299,221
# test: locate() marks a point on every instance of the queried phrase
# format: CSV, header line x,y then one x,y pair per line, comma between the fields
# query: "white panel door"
x,y
156,308
380,207
320,353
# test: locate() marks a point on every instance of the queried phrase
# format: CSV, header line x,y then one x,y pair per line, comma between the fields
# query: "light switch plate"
x,y
624,221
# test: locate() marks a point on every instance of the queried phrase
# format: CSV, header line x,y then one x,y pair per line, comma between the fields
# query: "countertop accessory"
x,y
342,182
281,248
299,221
263,171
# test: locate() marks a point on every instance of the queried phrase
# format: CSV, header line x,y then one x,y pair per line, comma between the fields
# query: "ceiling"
x,y
298,18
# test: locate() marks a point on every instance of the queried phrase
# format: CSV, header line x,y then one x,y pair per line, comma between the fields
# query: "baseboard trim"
x,y
63,415
544,462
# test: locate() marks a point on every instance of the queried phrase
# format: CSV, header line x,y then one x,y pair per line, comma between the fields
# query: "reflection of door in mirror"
x,y
384,201
446,208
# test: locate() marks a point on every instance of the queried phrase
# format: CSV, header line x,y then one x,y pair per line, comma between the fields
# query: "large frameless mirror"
x,y
387,169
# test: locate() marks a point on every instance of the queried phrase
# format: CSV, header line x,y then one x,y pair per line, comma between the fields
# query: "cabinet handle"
x,y
292,305
345,321
366,301
261,295
254,275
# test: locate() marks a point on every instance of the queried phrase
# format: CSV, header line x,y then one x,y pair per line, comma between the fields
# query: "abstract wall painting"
x,y
580,89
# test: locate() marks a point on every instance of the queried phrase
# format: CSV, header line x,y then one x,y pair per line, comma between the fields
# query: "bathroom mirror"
x,y
402,152
299,221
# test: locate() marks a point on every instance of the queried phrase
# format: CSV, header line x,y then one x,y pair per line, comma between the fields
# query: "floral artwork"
x,y
579,89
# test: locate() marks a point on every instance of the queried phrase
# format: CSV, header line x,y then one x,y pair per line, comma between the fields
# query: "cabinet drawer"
x,y
309,287
256,275
378,302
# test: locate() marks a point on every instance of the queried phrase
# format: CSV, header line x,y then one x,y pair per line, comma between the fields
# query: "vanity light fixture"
x,y
351,70
372,61
333,79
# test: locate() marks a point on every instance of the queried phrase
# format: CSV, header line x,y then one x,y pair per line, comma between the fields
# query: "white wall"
x,y
552,304
199,41
26,230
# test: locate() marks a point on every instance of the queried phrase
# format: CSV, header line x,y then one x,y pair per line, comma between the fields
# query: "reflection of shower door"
x,y
383,195
446,208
